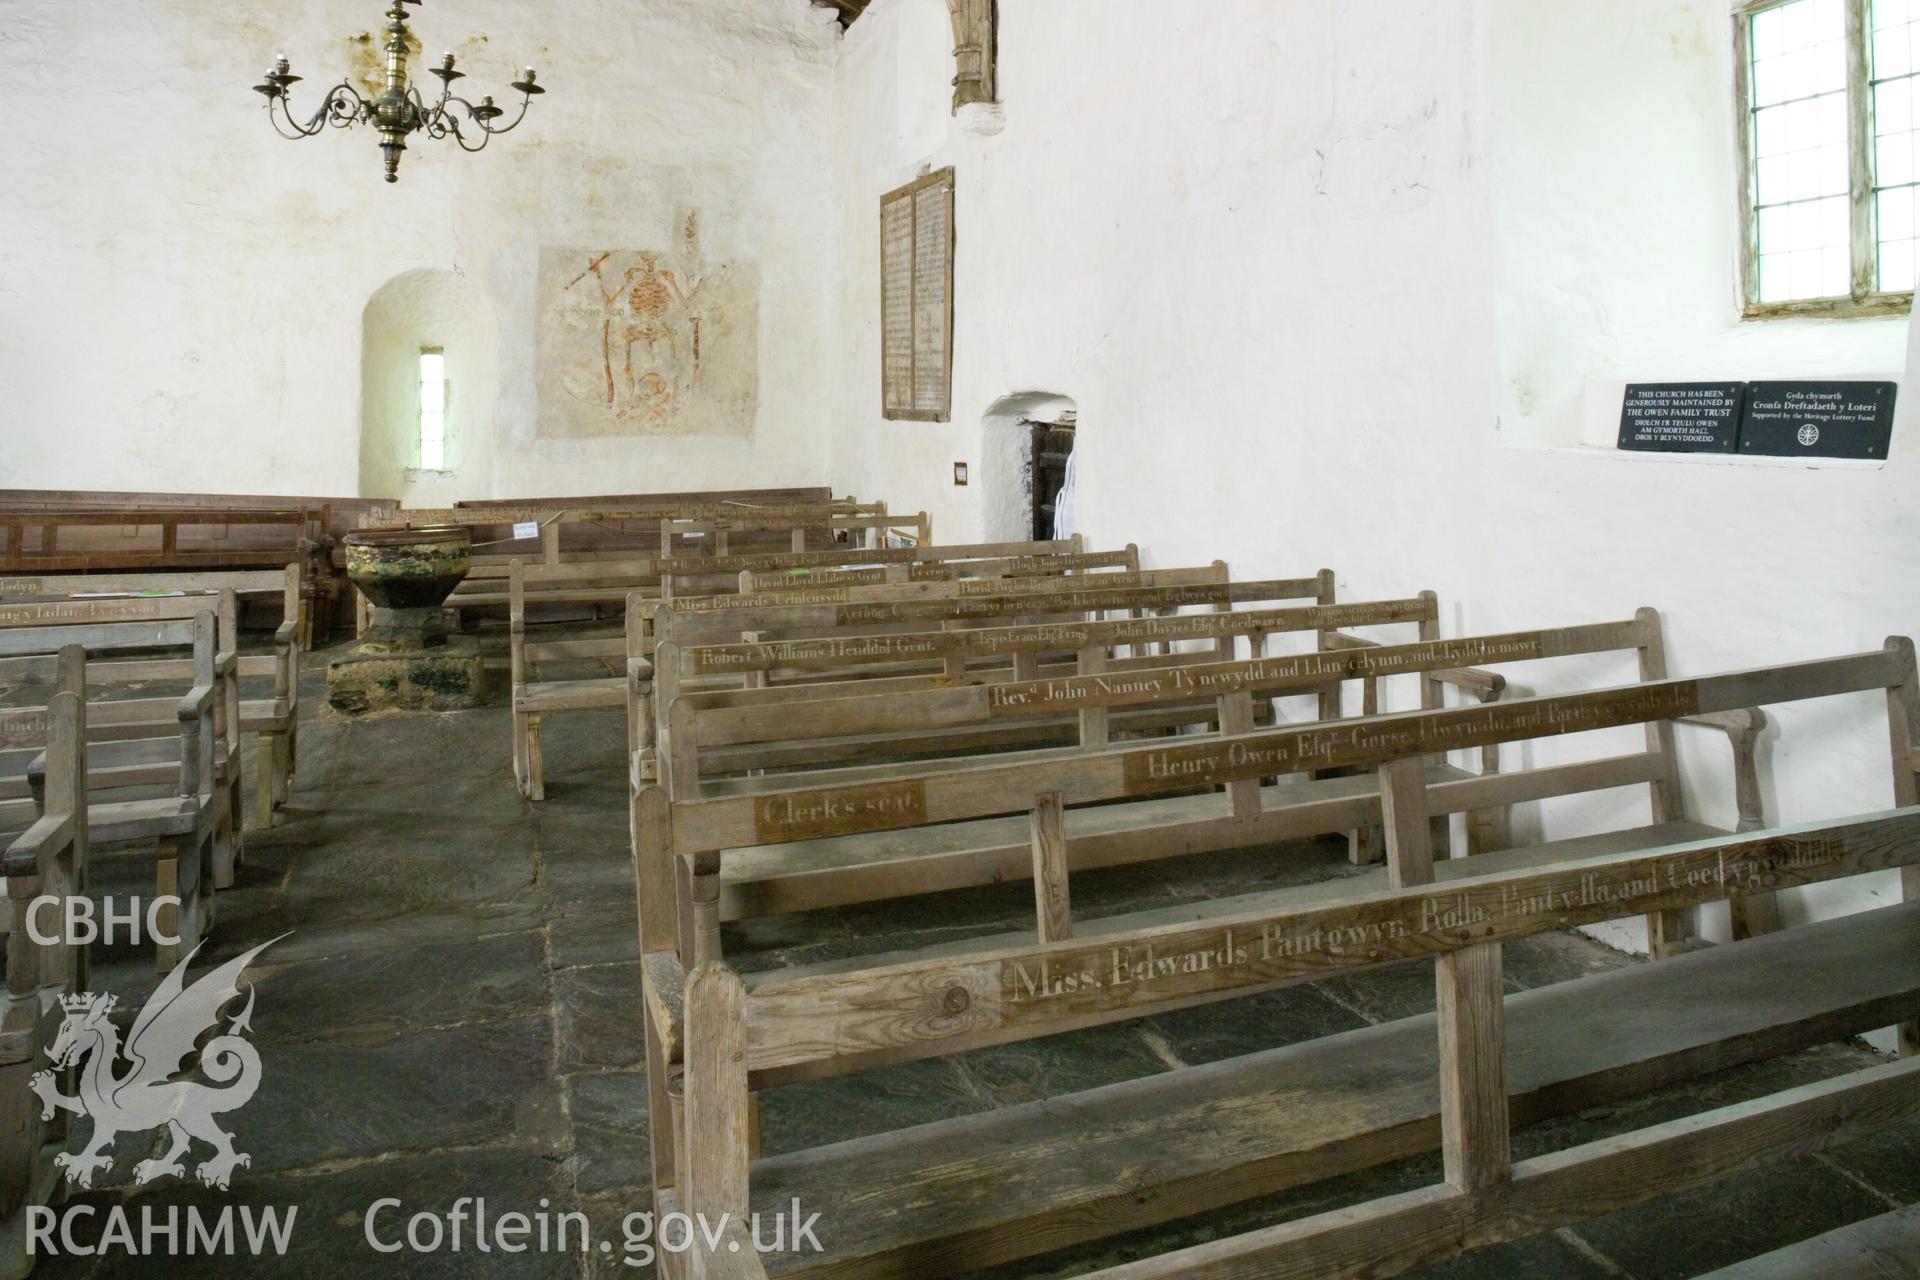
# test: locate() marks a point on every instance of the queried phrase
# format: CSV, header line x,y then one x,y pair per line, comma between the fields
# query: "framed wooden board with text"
x,y
916,300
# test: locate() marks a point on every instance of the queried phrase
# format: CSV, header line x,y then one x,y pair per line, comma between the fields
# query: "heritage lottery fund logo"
x,y
184,1065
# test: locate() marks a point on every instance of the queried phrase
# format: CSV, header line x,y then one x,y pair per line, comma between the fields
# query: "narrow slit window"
x,y
433,409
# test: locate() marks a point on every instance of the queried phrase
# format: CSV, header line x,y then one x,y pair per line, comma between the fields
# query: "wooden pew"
x,y
283,585
942,564
48,861
984,846
602,582
171,540
324,585
766,732
816,494
487,586
719,535
286,587
502,534
854,633
981,1190
844,716
271,713
196,755
572,530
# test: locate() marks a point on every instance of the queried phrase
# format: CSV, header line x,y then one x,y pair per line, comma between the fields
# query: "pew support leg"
x,y
179,874
536,766
266,765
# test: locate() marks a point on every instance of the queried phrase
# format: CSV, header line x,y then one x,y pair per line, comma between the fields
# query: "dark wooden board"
x,y
1819,419
1682,417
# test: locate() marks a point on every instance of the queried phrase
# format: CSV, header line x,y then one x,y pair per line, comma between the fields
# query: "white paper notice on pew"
x,y
526,529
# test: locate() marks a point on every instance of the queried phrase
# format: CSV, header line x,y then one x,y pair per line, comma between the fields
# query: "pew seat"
x,y
572,695
805,875
970,1192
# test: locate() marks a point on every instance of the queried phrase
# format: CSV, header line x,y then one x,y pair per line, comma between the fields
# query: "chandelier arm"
x,y
297,130
453,126
421,110
435,120
344,95
319,120
525,103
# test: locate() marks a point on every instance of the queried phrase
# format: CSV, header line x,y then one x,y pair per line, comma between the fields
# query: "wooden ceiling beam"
x,y
848,10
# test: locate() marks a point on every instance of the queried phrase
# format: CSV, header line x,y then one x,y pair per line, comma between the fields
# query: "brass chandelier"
x,y
399,110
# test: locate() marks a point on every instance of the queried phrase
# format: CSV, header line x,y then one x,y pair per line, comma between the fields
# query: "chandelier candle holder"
x,y
399,110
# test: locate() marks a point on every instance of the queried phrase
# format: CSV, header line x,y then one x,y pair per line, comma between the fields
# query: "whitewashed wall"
x,y
181,292
1344,282
1327,279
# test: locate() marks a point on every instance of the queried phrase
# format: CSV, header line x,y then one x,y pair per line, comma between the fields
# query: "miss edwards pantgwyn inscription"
x,y
1408,925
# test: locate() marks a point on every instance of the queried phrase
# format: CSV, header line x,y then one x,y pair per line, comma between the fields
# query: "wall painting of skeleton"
x,y
647,342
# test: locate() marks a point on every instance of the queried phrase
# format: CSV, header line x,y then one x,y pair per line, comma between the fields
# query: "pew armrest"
x,y
196,738
43,839
286,672
1742,727
1484,685
197,702
1745,722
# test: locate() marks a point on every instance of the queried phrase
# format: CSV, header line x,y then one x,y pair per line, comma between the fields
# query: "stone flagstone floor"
x,y
452,1010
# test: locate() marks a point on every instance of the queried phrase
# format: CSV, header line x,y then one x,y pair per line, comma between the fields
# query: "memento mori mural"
x,y
647,342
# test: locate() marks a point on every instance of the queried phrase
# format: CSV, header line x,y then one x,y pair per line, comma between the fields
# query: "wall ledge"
x,y
1637,457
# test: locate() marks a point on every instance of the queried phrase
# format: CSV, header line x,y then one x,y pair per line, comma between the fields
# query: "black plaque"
x,y
1818,419
1682,417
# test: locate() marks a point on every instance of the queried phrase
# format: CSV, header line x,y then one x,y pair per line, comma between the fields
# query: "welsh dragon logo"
x,y
146,1096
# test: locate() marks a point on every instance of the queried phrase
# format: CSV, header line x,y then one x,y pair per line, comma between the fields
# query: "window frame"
x,y
1863,299
420,413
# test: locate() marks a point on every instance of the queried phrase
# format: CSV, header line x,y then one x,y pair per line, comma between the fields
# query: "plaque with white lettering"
x,y
1682,417
1819,419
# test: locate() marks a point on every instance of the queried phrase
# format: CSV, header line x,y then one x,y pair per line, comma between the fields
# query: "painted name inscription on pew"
x,y
951,586
1251,952
18,615
808,815
714,659
774,561
24,729
1032,602
997,588
776,580
1148,772
1309,668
